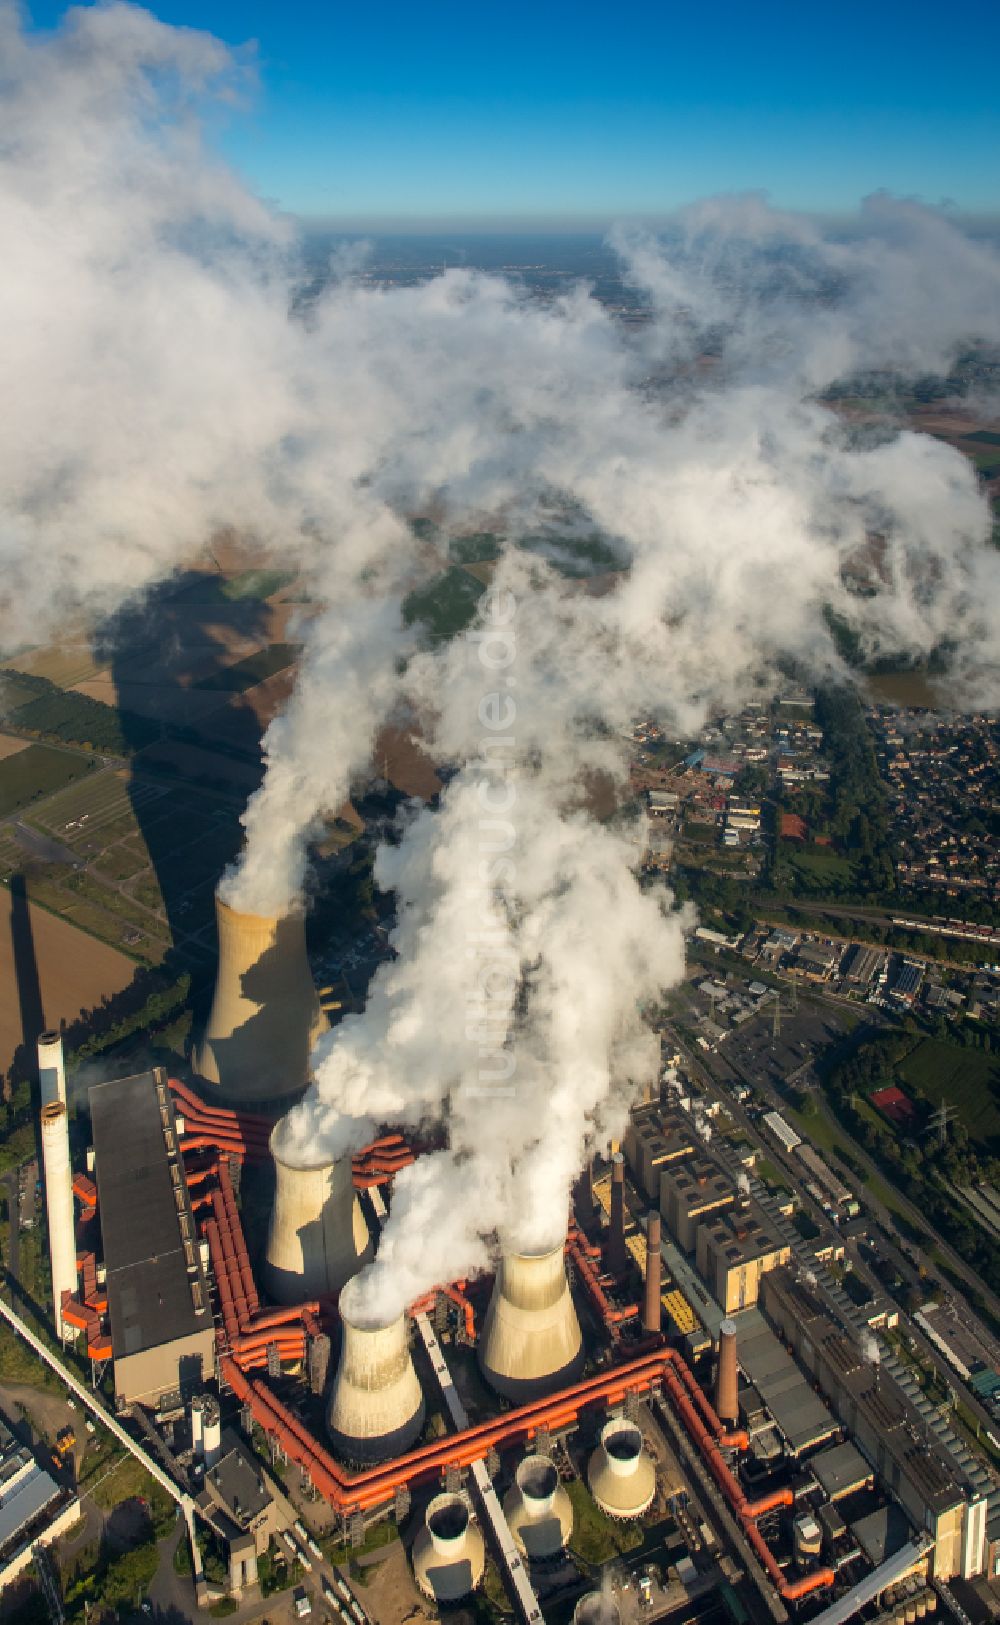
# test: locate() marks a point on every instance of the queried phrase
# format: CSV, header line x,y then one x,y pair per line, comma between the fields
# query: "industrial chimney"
x,y
538,1509
376,1407
617,1254
621,1475
727,1376
449,1554
318,1237
59,1205
265,1015
583,1196
51,1069
654,1262
531,1341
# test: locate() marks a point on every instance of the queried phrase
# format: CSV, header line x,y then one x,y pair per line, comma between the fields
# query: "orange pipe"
x,y
376,1485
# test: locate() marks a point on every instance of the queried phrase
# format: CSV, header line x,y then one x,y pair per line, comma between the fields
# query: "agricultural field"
x,y
445,606
65,664
253,669
31,774
73,972
968,1079
145,856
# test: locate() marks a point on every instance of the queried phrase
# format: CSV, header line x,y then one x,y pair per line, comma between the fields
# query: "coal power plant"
x,y
224,1271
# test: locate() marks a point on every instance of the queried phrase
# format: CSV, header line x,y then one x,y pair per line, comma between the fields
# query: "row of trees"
x,y
917,1163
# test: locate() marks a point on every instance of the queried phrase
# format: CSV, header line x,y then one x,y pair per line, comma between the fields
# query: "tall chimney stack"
x,y
727,1376
617,1254
51,1069
584,1194
59,1205
651,1302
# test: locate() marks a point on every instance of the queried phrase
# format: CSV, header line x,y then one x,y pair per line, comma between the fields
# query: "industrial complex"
x,y
671,1366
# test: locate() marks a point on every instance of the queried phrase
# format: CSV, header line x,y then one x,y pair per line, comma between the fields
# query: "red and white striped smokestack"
x,y
651,1303
617,1254
727,1376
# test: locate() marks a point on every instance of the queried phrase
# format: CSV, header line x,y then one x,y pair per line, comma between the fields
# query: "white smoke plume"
x,y
162,376
870,1350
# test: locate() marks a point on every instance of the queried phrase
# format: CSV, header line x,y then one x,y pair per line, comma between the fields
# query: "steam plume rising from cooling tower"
x,y
745,516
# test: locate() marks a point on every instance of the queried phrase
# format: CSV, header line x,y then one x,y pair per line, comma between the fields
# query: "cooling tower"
x,y
654,1272
59,1205
531,1342
448,1554
51,1069
596,1608
727,1376
265,1015
621,1475
376,1407
538,1510
318,1237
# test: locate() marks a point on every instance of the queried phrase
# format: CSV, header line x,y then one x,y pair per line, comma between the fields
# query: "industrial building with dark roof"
x,y
934,1494
162,1334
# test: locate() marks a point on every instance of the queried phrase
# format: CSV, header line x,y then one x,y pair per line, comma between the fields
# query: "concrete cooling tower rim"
x,y
299,1161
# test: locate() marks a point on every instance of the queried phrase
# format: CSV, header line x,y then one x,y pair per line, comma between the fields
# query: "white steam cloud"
x,y
162,375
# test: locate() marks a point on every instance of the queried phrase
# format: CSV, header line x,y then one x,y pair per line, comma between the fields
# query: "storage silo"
x,y
211,1430
621,1475
448,1555
58,1175
317,1238
265,1015
376,1407
538,1509
531,1342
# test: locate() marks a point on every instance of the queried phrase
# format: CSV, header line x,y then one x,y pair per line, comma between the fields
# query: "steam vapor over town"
x,y
500,842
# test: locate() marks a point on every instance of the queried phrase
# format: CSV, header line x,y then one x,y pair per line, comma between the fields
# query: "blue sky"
x,y
555,112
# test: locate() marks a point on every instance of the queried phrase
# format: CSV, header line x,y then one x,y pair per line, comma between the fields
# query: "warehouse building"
x,y
798,1413
33,1508
162,1333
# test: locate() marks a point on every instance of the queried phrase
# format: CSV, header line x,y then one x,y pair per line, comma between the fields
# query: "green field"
x,y
255,584
445,606
967,1079
254,669
984,437
596,1538
814,874
35,772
